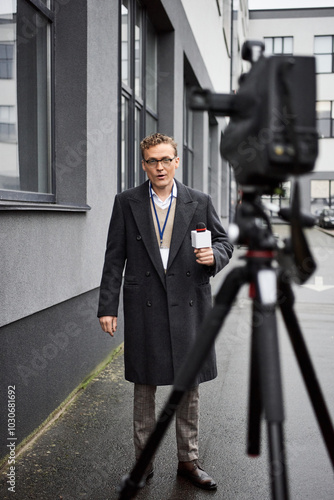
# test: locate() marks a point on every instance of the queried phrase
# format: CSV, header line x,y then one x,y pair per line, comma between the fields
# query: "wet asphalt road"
x,y
85,453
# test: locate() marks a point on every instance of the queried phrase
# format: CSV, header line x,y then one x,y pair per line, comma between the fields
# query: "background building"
x,y
81,82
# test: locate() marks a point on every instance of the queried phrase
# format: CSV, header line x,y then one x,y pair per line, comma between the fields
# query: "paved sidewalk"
x,y
85,453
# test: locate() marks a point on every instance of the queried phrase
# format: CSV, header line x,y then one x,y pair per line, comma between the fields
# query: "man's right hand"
x,y
108,324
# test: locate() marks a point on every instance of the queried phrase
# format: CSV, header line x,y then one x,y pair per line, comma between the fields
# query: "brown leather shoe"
x,y
194,472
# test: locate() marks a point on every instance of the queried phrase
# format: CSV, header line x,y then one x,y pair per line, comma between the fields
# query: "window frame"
x,y
15,196
132,174
188,139
331,54
6,60
324,200
283,38
331,120
8,122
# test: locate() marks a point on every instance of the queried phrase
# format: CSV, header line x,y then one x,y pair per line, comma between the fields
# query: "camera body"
x,y
272,132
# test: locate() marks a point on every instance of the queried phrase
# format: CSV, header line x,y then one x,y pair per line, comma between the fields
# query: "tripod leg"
x,y
267,356
306,367
254,402
186,376
279,485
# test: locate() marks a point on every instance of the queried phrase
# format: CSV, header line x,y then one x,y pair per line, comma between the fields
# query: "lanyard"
x,y
161,231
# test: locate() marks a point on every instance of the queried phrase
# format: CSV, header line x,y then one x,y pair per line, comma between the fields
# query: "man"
x,y
166,292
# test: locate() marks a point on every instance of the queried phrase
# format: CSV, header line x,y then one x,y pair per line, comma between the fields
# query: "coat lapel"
x,y
141,209
185,209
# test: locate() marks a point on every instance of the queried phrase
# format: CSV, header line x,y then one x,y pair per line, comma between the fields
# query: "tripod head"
x,y
252,227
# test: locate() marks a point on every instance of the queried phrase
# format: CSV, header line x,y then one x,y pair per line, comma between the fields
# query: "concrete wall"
x,y
51,256
52,259
206,21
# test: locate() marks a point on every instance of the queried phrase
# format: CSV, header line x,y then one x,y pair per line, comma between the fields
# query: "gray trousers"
x,y
186,421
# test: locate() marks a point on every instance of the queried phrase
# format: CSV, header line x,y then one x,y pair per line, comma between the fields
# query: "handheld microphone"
x,y
201,238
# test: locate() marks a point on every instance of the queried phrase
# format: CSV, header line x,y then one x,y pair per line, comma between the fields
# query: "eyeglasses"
x,y
165,162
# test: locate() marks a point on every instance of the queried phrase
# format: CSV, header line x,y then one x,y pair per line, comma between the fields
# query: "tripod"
x,y
270,286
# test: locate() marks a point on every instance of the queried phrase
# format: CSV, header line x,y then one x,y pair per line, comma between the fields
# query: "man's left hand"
x,y
204,256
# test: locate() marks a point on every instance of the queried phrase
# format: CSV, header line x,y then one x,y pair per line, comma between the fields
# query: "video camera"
x,y
272,132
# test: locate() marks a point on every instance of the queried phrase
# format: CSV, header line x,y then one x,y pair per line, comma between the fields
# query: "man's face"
x,y
162,174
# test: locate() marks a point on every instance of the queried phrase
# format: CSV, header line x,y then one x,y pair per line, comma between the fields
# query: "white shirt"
x,y
163,204
164,252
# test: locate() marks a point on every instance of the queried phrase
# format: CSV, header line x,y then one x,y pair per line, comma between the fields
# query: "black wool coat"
x,y
162,310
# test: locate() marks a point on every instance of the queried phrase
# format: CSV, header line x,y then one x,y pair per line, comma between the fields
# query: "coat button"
x,y
191,303
147,274
149,303
138,237
188,273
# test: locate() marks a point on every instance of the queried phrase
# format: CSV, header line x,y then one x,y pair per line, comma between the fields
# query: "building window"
x,y
278,45
210,161
325,118
6,60
188,140
324,53
151,83
322,195
8,124
25,101
138,89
